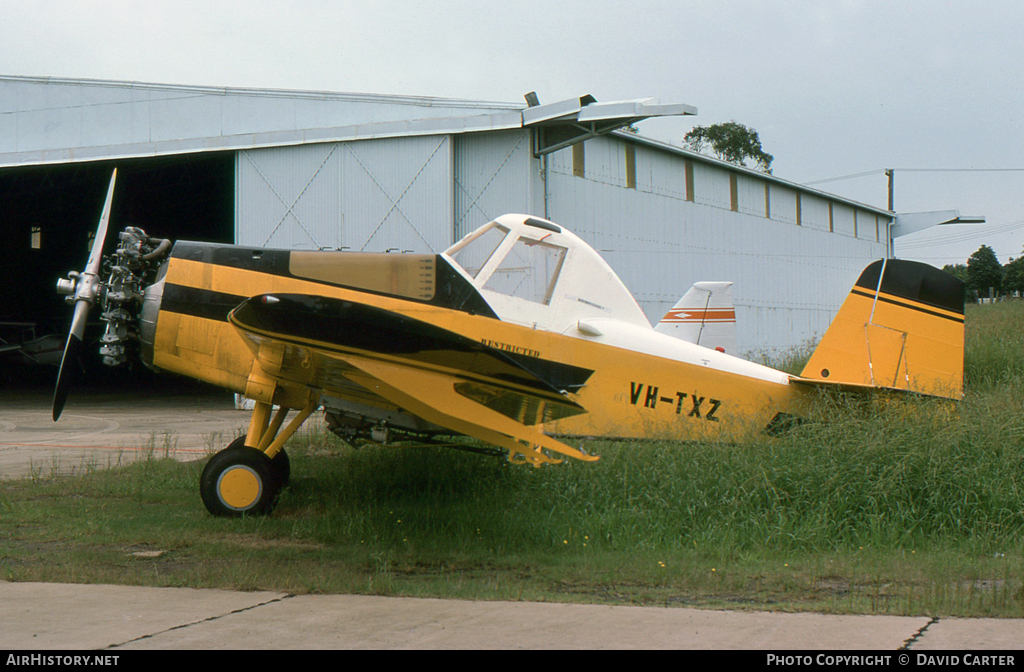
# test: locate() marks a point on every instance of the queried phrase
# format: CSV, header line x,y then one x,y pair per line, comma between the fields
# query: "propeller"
x,y
82,289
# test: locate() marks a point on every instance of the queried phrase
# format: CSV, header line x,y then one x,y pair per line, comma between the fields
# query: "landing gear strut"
x,y
247,477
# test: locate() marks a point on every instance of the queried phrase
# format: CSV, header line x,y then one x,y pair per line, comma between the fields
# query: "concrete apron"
x,y
100,431
79,617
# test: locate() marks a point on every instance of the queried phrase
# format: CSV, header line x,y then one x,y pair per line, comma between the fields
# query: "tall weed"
x,y
890,471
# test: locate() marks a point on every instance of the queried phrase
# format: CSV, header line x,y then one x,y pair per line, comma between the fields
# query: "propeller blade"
x,y
87,287
96,254
71,350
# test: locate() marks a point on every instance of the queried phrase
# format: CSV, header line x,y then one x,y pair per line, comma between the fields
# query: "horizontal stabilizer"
x,y
705,316
901,327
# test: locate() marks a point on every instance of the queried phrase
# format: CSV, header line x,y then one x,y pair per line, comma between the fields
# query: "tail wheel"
x,y
239,481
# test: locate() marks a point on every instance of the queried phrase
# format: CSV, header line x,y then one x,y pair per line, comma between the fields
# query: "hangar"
x,y
314,170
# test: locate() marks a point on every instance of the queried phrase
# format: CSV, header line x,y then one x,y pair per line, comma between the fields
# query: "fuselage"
x,y
629,380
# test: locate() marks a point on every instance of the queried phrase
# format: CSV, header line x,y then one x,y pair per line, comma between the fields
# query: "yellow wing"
x,y
385,359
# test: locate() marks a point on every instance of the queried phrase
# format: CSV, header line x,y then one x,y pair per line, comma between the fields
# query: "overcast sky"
x,y
834,87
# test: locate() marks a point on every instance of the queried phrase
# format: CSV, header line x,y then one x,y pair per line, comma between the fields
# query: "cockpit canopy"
x,y
534,272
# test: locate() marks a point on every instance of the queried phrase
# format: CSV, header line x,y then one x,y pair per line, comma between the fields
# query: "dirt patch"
x,y
253,543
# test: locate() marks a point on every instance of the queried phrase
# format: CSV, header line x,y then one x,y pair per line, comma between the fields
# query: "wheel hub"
x,y
239,487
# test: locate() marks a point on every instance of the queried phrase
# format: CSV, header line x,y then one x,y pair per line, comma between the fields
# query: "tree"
x,y
1013,275
984,271
957,270
730,142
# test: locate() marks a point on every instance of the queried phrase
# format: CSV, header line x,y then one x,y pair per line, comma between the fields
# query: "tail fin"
x,y
901,327
705,316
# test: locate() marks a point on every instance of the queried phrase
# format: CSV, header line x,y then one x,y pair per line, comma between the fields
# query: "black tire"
x,y
239,481
281,465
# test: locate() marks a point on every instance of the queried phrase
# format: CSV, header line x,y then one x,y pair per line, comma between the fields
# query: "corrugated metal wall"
x,y
494,175
662,218
789,279
370,195
793,256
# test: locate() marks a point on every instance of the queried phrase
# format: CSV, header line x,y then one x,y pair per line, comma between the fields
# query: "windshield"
x,y
475,252
529,271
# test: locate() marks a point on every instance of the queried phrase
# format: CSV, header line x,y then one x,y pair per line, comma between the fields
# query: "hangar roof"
x,y
765,177
48,120
51,120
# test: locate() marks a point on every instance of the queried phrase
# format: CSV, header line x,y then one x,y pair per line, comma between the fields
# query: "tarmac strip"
x,y
102,617
101,431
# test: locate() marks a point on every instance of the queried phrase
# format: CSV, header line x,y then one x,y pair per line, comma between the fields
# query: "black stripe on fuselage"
x,y
197,302
348,326
905,304
451,290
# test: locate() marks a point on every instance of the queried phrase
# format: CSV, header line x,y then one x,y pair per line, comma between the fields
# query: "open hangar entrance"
x,y
48,217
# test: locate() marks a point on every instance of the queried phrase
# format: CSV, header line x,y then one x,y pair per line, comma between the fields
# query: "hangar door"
x,y
492,178
368,195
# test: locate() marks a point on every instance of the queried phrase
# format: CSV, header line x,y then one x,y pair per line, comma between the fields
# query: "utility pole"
x,y
889,174
891,247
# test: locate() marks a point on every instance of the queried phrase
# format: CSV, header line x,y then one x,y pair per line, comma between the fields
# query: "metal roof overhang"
x,y
911,222
559,125
553,134
282,138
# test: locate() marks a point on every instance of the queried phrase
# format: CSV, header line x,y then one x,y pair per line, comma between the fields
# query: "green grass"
x,y
888,505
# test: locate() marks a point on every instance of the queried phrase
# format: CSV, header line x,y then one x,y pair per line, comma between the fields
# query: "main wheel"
x,y
239,481
281,465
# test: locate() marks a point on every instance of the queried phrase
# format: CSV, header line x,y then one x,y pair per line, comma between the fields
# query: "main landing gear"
x,y
247,477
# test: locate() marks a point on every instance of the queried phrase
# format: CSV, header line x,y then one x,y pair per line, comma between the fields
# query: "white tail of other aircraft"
x,y
705,316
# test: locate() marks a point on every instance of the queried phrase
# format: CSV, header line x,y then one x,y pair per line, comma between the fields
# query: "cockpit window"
x,y
474,254
529,271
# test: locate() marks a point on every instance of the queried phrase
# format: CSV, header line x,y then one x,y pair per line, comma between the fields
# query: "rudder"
x,y
901,327
705,315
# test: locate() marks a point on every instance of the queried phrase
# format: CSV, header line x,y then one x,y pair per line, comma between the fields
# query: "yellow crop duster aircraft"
x,y
517,334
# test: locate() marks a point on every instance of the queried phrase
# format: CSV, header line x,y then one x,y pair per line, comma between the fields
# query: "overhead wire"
x,y
876,171
958,238
958,170
846,177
